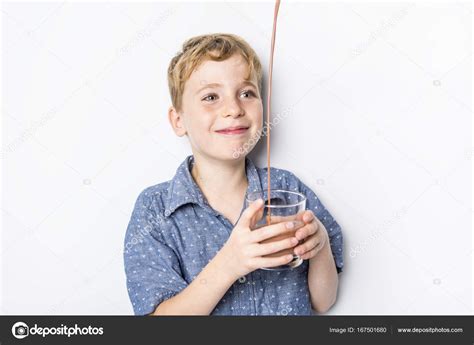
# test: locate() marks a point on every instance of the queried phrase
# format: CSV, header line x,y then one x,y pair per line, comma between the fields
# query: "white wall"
x,y
379,125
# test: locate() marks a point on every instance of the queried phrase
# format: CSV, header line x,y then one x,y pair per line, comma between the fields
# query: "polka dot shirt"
x,y
173,233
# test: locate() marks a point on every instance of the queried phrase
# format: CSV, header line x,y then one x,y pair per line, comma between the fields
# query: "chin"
x,y
232,156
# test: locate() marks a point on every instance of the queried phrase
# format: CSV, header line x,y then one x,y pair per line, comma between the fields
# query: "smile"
x,y
235,131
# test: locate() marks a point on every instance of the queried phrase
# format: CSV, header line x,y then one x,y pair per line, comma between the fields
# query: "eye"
x,y
207,97
249,92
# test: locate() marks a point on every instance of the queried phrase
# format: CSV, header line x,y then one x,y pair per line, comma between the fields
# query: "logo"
x,y
20,330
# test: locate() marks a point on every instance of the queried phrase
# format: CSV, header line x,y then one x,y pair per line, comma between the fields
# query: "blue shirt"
x,y
173,233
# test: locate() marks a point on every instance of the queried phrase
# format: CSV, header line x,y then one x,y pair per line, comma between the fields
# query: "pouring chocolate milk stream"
x,y
269,96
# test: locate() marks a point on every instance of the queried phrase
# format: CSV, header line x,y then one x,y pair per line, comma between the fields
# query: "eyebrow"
x,y
214,85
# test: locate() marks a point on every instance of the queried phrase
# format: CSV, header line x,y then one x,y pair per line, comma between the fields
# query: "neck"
x,y
217,177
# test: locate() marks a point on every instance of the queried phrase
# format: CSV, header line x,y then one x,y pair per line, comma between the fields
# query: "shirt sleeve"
x,y
314,204
151,267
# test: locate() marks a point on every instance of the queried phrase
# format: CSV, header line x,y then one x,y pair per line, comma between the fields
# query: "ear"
x,y
176,121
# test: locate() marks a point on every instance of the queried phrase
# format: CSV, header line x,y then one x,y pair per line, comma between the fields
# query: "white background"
x,y
379,126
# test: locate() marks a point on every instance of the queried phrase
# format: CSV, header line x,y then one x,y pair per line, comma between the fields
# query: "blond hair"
x,y
215,47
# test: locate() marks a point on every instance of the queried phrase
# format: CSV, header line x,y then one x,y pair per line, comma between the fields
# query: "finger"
x,y
308,255
256,217
275,246
274,261
306,216
307,230
247,217
319,246
308,245
269,231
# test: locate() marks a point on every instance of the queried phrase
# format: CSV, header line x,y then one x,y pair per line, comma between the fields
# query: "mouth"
x,y
233,130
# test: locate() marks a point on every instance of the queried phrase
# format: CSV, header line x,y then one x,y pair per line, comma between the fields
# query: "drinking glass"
x,y
284,206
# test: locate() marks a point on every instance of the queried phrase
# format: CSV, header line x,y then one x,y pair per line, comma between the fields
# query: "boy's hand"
x,y
243,252
314,234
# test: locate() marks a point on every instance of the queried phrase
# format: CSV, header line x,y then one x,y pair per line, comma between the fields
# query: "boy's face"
x,y
208,109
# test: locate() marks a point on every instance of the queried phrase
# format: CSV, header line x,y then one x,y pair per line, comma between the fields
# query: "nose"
x,y
233,108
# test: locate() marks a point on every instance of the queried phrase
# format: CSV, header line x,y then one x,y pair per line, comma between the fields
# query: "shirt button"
x,y
242,280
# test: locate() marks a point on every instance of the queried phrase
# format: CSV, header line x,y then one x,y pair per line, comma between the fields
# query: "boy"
x,y
188,247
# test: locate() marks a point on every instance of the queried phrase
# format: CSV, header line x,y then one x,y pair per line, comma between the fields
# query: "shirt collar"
x,y
183,189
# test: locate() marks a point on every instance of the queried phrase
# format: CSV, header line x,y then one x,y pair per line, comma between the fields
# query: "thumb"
x,y
247,218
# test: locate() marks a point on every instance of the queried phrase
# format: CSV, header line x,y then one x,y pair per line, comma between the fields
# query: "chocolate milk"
x,y
269,88
269,96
